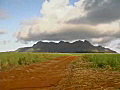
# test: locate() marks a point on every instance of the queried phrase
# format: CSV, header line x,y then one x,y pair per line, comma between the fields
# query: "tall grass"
x,y
12,59
105,60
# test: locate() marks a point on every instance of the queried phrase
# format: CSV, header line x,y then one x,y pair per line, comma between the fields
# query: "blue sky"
x,y
18,11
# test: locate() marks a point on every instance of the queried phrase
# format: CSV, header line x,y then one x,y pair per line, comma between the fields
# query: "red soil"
x,y
40,76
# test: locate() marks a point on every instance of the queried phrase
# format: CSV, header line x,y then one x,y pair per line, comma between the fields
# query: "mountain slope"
x,y
66,47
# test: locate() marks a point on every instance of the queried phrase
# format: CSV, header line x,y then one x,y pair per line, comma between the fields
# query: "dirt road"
x,y
40,76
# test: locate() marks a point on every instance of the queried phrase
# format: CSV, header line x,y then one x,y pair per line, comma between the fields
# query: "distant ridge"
x,y
66,47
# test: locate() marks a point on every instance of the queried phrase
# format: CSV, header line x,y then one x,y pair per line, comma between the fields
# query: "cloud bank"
x,y
94,20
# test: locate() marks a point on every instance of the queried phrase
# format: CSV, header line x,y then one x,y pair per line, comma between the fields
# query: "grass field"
x,y
12,59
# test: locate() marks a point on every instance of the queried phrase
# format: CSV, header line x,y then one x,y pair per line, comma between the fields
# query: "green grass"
x,y
105,60
12,59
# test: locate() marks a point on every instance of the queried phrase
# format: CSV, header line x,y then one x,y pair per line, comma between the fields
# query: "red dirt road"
x,y
40,76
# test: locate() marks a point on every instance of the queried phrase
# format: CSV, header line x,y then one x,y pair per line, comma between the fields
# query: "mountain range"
x,y
66,47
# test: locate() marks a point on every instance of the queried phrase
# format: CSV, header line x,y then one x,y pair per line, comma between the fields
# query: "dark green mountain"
x,y
66,47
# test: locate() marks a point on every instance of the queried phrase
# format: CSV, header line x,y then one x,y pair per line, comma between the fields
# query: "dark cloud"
x,y
99,12
66,33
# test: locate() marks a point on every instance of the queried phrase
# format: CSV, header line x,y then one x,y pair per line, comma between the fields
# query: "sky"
x,y
24,22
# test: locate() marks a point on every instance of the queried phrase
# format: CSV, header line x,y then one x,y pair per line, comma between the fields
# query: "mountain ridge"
x,y
66,47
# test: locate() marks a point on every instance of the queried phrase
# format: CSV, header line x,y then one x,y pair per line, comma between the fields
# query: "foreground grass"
x,y
12,59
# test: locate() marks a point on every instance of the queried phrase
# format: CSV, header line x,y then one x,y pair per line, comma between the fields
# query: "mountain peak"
x,y
87,42
61,42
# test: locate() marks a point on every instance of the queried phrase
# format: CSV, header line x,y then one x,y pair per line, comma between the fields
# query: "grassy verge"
x,y
12,59
111,61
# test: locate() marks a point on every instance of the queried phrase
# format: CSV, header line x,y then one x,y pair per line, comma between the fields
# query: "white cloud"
x,y
95,20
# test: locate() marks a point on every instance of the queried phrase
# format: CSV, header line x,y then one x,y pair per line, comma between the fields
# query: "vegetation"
x,y
12,59
111,61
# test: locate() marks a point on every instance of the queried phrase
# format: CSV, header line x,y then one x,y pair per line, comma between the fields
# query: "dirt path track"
x,y
41,76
